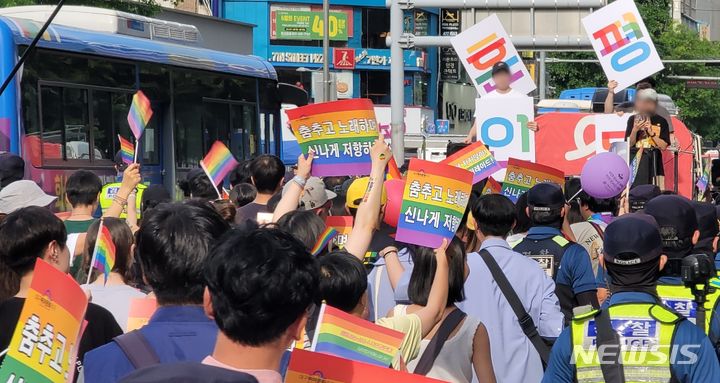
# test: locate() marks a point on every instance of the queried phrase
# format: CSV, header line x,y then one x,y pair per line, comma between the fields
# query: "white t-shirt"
x,y
496,94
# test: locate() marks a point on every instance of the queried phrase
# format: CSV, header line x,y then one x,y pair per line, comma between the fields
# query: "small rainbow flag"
x,y
140,114
703,182
492,187
218,163
341,334
324,240
104,253
393,172
127,150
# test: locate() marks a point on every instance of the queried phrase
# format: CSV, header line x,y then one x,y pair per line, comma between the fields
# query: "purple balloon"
x,y
605,176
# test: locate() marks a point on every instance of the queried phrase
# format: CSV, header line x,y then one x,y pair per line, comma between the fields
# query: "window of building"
x,y
375,27
375,85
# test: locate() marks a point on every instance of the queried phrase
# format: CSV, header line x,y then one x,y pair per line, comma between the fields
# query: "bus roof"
x,y
132,48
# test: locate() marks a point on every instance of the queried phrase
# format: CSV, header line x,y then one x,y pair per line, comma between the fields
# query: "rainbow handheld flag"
x,y
393,172
104,253
218,163
703,182
328,235
139,114
127,150
344,335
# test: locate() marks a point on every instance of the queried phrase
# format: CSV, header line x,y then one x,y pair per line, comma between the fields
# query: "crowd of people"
x,y
535,291
510,298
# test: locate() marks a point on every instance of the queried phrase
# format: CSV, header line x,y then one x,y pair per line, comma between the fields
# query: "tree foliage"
x,y
699,108
140,7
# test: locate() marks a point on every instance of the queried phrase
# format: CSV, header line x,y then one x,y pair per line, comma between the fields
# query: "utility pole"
x,y
326,50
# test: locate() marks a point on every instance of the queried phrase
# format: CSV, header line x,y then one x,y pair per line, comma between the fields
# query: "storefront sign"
x,y
421,23
450,22
449,64
344,58
308,25
364,59
449,60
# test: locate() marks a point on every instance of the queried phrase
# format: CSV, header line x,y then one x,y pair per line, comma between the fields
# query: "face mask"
x,y
641,277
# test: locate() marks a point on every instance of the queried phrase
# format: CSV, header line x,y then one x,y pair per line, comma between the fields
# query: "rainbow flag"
x,y
127,150
341,334
703,182
139,114
393,172
104,253
218,162
323,241
492,187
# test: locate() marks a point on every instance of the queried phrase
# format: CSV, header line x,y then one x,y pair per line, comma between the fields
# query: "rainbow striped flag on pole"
x,y
103,257
139,114
127,150
322,243
341,334
218,163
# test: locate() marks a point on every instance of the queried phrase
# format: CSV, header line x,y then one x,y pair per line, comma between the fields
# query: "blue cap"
x,y
632,239
546,196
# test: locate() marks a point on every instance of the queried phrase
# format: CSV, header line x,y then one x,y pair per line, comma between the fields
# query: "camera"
x,y
697,269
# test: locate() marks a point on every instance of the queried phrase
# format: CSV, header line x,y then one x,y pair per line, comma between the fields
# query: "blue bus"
x,y
66,106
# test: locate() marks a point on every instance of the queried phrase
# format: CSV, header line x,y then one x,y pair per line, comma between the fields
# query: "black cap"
x,y
500,66
156,193
545,196
641,194
707,219
12,168
631,240
676,218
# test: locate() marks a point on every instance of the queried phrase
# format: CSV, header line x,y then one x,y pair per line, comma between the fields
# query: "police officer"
x,y
679,230
110,191
566,262
655,343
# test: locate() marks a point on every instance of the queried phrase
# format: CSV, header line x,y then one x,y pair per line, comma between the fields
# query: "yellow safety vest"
x,y
681,299
646,332
108,194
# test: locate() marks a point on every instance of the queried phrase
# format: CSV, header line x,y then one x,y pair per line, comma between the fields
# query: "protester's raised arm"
x,y
395,269
131,179
368,211
291,198
432,313
610,99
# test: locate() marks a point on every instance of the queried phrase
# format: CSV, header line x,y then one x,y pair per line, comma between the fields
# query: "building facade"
x,y
289,35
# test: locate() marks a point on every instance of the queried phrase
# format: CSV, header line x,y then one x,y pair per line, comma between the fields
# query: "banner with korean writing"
x,y
47,329
315,367
622,43
482,46
343,225
433,203
523,175
340,133
141,309
475,158
502,125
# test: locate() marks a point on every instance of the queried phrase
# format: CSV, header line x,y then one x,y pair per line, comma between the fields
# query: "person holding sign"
x,y
502,78
25,235
648,135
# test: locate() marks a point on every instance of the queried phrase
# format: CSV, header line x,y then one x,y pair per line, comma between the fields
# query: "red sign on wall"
x,y
344,58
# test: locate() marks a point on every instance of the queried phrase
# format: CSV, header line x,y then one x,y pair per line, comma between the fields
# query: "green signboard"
x,y
307,25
